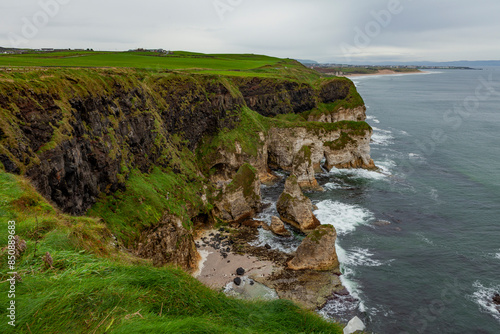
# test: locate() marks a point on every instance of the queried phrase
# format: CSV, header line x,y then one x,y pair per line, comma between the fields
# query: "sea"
x,y
419,239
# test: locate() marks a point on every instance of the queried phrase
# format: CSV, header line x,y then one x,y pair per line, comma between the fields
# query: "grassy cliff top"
x,y
223,64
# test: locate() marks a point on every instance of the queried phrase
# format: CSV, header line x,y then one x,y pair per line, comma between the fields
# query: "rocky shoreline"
x,y
310,276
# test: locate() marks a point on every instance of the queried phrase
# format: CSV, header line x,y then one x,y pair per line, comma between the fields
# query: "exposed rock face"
x,y
169,242
295,208
271,97
309,288
317,250
349,152
278,227
241,198
227,160
355,114
304,170
342,148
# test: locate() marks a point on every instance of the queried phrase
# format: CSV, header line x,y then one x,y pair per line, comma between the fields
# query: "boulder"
x,y
317,250
240,271
496,299
240,199
169,242
295,208
354,325
278,227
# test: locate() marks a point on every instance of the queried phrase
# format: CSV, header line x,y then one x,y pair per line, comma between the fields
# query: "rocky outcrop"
x,y
240,198
278,227
309,288
317,250
271,97
169,242
295,208
225,161
349,151
303,168
356,114
342,146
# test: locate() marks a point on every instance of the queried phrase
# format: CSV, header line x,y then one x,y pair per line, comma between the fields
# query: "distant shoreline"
x,y
383,72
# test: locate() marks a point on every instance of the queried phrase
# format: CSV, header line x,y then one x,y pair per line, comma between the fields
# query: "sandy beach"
x,y
383,72
218,267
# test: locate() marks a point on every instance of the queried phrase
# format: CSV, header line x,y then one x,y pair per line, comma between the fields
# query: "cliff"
x,y
130,146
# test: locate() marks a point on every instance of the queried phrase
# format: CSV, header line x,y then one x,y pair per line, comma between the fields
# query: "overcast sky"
x,y
323,30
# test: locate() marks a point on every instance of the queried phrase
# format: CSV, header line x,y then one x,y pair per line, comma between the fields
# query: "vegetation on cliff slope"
x,y
152,129
92,287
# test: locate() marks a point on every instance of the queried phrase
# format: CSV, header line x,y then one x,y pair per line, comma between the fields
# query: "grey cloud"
x,y
315,29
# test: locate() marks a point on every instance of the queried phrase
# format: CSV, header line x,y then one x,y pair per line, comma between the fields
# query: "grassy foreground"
x,y
91,287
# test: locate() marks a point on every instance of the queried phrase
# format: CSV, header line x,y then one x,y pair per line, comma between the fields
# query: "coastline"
x,y
383,72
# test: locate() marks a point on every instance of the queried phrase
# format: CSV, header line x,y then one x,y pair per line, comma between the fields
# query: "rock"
x,y
342,148
240,271
295,208
278,227
267,246
496,299
237,281
317,250
309,288
343,292
252,223
303,168
241,198
354,325
169,242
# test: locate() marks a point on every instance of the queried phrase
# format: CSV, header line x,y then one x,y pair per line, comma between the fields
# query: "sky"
x,y
341,31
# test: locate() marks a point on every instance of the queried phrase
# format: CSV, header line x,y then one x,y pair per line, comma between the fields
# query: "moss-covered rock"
x,y
317,250
304,169
169,242
240,198
295,208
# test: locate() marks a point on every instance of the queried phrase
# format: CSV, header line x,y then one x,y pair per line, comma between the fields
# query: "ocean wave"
x,y
497,255
344,217
358,257
483,297
332,186
382,137
372,118
358,173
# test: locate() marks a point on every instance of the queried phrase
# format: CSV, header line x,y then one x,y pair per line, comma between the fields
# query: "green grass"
x,y
144,201
94,288
181,60
219,64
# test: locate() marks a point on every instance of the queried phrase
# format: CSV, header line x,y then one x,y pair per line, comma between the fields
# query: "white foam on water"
x,y
332,186
425,239
484,298
284,244
344,217
359,173
497,255
385,166
382,137
416,158
372,118
359,257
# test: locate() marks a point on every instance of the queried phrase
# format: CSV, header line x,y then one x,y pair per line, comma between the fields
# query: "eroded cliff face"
x,y
357,114
80,134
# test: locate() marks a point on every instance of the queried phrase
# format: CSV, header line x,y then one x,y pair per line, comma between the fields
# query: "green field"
x,y
221,64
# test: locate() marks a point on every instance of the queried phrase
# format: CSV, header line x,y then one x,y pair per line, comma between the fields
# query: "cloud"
x,y
315,29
